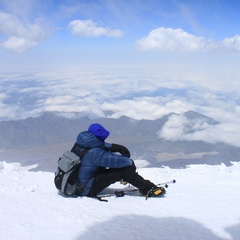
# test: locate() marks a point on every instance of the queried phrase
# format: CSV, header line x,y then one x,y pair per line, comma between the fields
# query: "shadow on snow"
x,y
134,227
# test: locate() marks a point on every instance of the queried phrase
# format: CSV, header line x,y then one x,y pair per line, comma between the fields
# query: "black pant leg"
x,y
107,177
131,176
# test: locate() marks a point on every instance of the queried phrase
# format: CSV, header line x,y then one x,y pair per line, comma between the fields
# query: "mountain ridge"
x,y
51,133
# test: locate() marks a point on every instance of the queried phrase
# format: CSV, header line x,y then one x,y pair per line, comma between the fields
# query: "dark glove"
x,y
121,149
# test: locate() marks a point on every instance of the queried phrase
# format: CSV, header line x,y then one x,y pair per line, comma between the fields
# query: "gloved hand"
x,y
121,149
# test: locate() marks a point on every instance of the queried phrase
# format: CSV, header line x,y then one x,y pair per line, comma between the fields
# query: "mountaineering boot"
x,y
156,192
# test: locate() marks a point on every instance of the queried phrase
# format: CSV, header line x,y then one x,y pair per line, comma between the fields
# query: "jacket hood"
x,y
99,131
88,140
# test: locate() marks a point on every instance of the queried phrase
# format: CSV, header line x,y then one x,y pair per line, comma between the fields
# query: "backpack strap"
x,y
74,148
81,153
79,188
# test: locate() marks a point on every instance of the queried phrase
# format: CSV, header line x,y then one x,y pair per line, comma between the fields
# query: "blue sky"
x,y
114,31
110,58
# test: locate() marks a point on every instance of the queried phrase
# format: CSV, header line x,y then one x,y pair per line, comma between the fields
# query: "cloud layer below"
x,y
136,93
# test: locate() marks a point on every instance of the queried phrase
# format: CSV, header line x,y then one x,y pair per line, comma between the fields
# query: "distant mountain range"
x,y
42,140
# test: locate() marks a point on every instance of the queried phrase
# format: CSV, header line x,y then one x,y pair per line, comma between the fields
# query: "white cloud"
x,y
178,128
22,35
232,43
168,39
173,129
3,95
145,107
9,24
20,7
88,28
17,44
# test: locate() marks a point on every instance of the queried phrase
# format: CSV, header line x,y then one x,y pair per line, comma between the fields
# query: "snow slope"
x,y
202,204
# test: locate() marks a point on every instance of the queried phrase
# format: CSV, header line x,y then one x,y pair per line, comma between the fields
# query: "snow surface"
x,y
202,204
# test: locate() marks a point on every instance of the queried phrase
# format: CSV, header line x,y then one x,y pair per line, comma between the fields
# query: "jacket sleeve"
x,y
106,159
118,148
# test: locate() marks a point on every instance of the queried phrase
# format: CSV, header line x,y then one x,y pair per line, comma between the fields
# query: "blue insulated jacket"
x,y
96,157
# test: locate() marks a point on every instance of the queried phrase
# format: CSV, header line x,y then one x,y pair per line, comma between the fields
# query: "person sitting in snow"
x,y
101,167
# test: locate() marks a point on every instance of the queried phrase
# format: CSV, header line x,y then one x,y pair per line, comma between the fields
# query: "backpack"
x,y
65,178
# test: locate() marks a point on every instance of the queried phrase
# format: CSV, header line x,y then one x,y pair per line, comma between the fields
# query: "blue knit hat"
x,y
99,131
